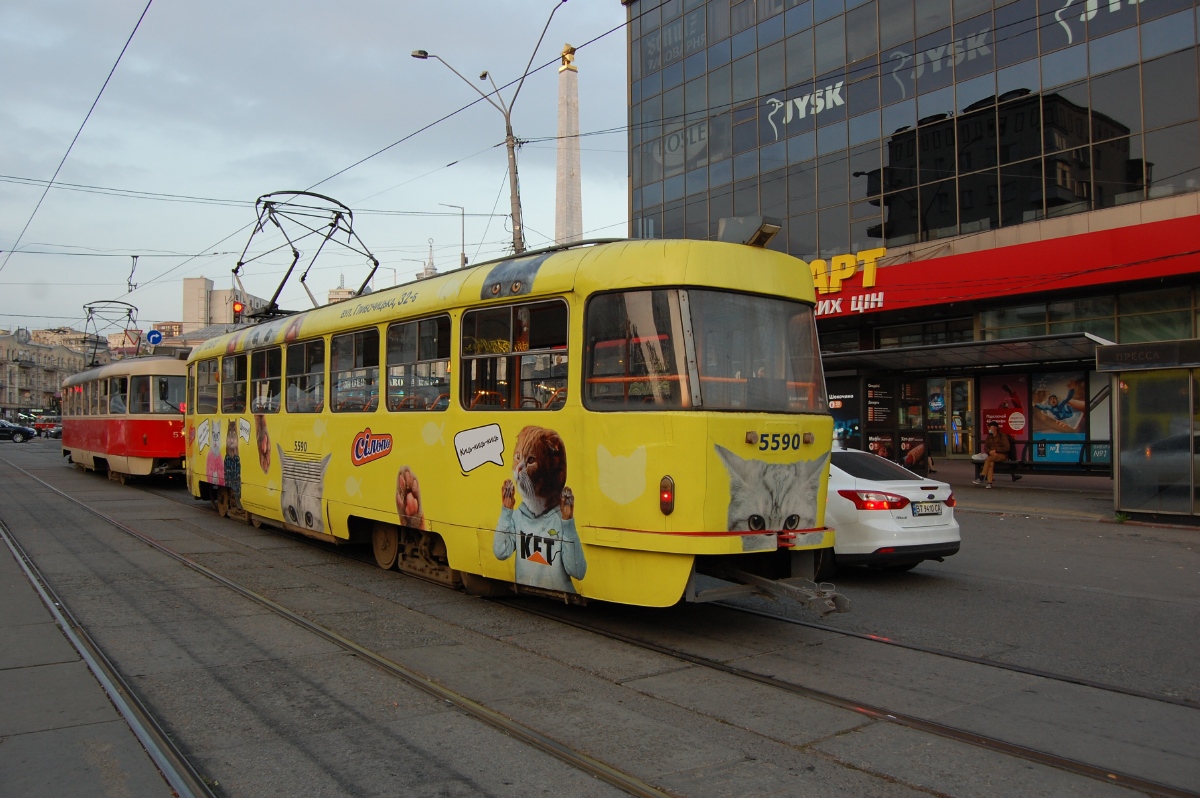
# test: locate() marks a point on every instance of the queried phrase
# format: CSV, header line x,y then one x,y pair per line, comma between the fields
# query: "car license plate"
x,y
927,508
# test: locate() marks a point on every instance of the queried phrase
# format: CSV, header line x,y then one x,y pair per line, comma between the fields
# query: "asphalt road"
x,y
263,708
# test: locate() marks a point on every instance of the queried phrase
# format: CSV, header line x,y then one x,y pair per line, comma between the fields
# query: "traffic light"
x,y
238,307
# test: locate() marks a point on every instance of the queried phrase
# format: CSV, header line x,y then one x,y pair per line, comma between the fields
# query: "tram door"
x,y
961,432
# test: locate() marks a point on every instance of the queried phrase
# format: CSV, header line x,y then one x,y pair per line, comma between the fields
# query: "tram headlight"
x,y
666,495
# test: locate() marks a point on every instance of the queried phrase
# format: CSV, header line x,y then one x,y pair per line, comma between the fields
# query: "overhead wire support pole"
x,y
510,140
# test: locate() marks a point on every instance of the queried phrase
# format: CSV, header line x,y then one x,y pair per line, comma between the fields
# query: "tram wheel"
x,y
221,502
118,477
385,543
255,522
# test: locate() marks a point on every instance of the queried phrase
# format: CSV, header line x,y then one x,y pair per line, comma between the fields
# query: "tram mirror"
x,y
754,231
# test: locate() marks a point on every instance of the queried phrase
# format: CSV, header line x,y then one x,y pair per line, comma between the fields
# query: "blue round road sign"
x,y
154,337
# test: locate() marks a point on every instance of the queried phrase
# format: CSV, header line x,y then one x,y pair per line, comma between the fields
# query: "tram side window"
x,y
515,357
206,387
191,389
266,374
354,372
418,365
85,399
306,377
139,394
635,354
168,394
118,393
233,384
102,397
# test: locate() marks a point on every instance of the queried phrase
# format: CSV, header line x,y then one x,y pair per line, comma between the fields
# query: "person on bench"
x,y
998,447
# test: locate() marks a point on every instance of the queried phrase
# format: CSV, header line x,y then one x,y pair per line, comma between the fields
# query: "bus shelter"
x,y
910,404
1157,425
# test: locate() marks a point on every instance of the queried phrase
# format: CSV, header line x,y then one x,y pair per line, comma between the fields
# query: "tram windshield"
x,y
702,349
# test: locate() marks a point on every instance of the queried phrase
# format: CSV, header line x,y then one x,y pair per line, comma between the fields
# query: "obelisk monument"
x,y
568,215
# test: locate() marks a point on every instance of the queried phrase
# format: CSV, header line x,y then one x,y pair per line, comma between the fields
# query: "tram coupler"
x,y
819,596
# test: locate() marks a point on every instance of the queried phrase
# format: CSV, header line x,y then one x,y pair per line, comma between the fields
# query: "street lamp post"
x,y
510,140
462,212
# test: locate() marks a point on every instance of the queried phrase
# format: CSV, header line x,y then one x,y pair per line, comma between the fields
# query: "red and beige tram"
x,y
126,418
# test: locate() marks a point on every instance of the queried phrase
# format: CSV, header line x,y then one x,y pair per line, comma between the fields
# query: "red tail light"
x,y
951,501
874,500
666,495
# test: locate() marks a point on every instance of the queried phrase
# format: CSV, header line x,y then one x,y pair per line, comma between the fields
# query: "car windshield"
x,y
702,349
863,465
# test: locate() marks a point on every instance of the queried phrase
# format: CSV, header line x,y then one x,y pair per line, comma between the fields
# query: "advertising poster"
x,y
913,455
881,403
883,445
845,407
1058,416
1004,399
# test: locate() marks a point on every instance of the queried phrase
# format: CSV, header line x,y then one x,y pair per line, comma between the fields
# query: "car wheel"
x,y
18,437
897,569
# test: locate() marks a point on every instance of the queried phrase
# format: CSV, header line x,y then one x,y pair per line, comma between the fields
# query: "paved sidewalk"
x,y
1052,496
59,733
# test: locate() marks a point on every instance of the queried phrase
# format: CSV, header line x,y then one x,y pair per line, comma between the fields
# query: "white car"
x,y
885,516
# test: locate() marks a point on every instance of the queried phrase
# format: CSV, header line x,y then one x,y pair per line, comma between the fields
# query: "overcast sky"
x,y
226,100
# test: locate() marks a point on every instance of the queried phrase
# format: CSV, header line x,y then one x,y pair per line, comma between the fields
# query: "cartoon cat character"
x,y
301,490
263,442
214,466
408,499
233,462
771,497
512,277
541,532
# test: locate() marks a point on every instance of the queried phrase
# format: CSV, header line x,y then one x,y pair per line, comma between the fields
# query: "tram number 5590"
x,y
774,441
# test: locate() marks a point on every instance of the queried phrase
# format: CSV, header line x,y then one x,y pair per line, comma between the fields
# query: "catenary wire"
x,y
78,132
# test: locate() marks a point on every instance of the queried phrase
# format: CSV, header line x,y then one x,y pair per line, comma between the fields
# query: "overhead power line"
x,y
88,116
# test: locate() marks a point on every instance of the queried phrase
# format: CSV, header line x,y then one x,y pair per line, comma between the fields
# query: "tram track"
x,y
1107,775
1081,681
626,782
873,712
866,709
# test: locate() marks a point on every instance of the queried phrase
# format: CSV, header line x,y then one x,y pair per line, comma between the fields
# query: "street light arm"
x,y
533,55
499,108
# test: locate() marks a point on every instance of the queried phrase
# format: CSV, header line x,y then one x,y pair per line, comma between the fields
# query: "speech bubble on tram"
x,y
478,446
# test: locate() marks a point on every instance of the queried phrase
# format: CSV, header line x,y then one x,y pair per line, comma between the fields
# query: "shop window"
x,y
354,372
266,376
1155,327
418,365
515,357
207,380
306,377
233,384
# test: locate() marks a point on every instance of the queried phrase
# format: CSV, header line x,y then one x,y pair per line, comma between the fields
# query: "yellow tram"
x,y
603,421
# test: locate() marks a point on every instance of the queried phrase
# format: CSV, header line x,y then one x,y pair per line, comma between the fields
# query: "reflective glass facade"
x,y
886,122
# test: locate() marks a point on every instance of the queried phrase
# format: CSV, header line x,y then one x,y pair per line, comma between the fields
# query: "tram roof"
x,y
131,366
585,268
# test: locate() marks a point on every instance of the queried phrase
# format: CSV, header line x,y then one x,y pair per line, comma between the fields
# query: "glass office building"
x,y
983,189
883,123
